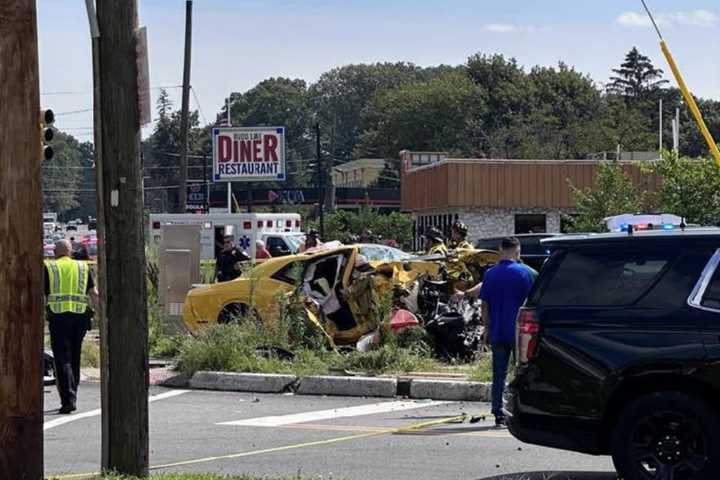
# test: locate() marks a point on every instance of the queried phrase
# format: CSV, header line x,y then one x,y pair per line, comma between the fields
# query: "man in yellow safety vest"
x,y
68,290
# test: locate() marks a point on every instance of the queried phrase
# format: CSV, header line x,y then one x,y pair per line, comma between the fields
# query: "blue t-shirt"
x,y
505,288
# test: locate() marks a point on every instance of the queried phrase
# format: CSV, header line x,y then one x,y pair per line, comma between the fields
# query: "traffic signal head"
x,y
47,118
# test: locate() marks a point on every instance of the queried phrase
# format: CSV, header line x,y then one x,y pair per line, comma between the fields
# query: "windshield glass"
x,y
378,253
295,241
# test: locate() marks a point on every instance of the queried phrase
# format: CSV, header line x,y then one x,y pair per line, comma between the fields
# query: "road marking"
x,y
93,413
345,412
379,432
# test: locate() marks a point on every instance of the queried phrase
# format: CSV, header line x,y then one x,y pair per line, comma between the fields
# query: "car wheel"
x,y
667,435
234,314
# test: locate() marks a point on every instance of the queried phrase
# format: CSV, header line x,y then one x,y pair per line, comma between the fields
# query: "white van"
x,y
281,232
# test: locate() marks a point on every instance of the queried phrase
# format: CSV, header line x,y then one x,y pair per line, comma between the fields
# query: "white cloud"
x,y
692,18
500,28
633,19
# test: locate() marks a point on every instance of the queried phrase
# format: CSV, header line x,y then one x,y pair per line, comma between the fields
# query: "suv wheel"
x,y
667,436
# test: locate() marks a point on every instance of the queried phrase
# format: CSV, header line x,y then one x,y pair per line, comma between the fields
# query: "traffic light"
x,y
47,118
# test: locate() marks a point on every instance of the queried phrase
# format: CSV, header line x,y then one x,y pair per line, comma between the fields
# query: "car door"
x,y
705,299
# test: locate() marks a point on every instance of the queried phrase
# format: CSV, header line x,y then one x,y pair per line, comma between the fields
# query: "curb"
x,y
348,386
449,390
384,387
242,382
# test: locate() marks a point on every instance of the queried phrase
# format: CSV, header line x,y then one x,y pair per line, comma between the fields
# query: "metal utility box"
x,y
179,270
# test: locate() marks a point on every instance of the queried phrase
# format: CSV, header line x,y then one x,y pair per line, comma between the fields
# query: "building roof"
x,y
361,163
495,183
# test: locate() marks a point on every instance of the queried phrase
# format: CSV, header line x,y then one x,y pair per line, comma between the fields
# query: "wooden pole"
x,y
125,368
21,281
185,109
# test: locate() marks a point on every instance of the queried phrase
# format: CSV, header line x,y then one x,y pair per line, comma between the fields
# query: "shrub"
x,y
90,355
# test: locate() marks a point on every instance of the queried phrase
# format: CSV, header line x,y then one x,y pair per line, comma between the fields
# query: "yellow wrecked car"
x,y
338,286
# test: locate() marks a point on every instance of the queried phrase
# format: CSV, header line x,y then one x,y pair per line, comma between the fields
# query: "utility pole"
x,y
125,366
21,286
320,181
185,108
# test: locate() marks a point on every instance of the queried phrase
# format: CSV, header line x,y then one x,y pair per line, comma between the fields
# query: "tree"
x,y
62,176
612,193
389,176
347,226
284,102
340,96
161,155
637,78
432,115
566,107
690,188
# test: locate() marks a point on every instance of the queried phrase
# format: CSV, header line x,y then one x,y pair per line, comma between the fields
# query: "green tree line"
x,y
489,107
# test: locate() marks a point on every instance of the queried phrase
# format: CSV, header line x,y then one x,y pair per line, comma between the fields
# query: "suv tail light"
x,y
527,335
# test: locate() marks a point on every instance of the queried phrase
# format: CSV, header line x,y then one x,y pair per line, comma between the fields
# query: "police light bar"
x,y
622,223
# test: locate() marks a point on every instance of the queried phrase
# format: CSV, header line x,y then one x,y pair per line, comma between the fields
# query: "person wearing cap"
x,y
435,242
229,262
312,240
458,239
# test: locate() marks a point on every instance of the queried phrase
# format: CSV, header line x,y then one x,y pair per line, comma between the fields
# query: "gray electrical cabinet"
x,y
179,270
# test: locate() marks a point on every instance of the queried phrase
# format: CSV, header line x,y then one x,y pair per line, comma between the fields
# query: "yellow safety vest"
x,y
68,285
461,245
438,248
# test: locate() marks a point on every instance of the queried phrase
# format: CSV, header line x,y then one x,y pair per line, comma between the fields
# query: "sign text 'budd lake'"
x,y
248,154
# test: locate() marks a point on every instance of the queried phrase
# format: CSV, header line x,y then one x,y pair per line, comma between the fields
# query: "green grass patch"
x,y
481,370
90,355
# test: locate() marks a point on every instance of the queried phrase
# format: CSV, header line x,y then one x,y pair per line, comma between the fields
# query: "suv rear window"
x,y
602,277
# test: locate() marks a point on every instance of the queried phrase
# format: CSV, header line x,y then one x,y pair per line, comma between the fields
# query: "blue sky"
x,y
237,43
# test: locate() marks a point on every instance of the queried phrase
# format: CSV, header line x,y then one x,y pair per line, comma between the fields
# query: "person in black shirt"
x,y
228,265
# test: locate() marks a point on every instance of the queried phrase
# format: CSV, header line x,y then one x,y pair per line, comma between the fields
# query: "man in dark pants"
x,y
229,262
503,291
68,288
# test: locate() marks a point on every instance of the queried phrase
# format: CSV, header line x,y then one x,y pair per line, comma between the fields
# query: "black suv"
x,y
618,353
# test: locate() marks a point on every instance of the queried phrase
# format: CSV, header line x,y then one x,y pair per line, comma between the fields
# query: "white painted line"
x,y
361,410
93,413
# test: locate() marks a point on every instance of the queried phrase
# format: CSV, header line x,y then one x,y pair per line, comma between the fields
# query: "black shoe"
x,y
65,409
499,422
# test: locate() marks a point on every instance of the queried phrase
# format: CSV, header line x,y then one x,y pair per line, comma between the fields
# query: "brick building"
x,y
495,197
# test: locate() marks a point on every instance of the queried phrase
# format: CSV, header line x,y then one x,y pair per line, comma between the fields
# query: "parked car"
x,y
533,252
618,353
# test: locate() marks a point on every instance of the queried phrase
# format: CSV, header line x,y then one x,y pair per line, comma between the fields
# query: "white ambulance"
x,y
281,232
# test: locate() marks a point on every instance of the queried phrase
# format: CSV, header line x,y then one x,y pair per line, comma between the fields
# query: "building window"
x,y
530,223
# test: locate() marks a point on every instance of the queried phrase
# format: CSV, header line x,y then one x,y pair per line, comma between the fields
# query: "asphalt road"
x,y
332,437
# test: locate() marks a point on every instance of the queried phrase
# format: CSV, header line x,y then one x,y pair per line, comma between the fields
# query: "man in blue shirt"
x,y
503,291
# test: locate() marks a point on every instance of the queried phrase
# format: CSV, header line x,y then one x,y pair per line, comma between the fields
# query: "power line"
x,y
197,101
89,92
72,112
